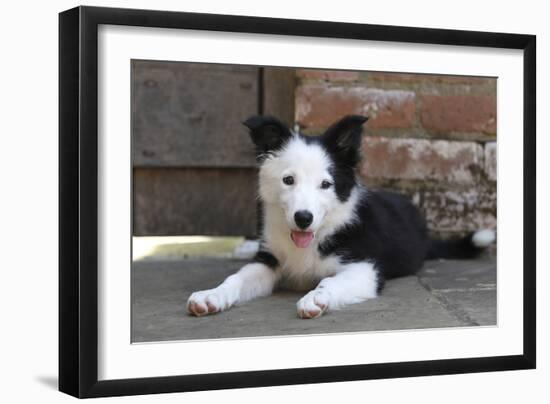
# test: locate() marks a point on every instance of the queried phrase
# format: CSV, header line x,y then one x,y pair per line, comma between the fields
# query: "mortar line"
x,y
455,311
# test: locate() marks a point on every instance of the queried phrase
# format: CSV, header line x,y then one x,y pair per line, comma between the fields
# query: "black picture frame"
x,y
78,200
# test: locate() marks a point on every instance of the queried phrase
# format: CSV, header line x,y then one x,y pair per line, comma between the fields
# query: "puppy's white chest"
x,y
302,267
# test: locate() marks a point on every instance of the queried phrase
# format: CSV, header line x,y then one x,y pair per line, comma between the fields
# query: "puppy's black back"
x,y
390,232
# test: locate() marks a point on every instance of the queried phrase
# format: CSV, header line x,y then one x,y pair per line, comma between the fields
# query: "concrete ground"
x,y
444,294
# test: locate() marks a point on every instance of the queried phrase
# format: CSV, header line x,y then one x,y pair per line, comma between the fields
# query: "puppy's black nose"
x,y
303,218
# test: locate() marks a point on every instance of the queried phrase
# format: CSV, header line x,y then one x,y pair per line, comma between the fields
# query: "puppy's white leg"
x,y
251,281
355,283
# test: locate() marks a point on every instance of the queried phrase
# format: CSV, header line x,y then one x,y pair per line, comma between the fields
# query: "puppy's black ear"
x,y
343,139
267,133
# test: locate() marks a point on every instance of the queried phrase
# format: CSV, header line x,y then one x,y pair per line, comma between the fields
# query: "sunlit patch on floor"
x,y
177,247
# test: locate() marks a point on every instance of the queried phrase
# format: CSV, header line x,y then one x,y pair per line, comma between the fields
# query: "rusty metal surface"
x,y
190,114
278,93
187,201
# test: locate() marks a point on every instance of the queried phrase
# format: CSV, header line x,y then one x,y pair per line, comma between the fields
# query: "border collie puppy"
x,y
323,231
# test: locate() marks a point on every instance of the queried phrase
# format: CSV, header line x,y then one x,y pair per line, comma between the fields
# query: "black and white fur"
x,y
323,231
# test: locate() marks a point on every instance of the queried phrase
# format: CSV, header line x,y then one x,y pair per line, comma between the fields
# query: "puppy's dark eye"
x,y
288,180
326,184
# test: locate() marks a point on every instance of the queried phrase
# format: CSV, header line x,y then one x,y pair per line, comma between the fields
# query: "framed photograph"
x,y
251,201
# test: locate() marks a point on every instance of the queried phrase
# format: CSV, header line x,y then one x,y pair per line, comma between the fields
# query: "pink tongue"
x,y
301,238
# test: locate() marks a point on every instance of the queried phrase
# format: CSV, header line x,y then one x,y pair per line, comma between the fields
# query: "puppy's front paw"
x,y
314,304
207,302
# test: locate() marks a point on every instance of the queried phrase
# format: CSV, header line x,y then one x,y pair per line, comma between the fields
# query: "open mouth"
x,y
301,239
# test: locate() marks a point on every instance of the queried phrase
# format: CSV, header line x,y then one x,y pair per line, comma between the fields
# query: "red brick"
x,y
491,160
420,159
464,113
327,75
318,106
458,210
434,78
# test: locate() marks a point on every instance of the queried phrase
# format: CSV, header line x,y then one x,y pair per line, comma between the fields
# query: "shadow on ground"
x,y
444,294
48,381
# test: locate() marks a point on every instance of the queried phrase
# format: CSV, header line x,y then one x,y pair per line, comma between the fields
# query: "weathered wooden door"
x,y
193,163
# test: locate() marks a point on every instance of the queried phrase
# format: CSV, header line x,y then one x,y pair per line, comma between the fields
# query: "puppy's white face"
x,y
308,180
297,179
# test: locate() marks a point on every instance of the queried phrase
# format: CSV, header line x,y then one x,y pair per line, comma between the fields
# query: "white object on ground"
x,y
247,249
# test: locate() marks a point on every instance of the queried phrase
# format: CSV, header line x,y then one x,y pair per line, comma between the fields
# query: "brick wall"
x,y
431,137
